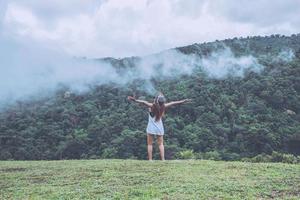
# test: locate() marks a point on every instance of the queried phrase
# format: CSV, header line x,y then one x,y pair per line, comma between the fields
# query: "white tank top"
x,y
155,127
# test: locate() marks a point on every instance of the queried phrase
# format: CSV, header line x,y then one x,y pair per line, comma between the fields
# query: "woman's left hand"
x,y
131,98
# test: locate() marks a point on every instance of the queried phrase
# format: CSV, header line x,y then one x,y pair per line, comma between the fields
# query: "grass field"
x,y
132,179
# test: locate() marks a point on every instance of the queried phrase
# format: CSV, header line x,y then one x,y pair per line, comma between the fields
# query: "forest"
x,y
232,117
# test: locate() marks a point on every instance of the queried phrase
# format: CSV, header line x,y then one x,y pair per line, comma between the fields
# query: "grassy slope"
x,y
132,179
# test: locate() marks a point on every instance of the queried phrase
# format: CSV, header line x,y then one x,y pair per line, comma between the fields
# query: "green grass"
x,y
133,179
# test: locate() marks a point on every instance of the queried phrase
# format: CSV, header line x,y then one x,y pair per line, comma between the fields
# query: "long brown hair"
x,y
158,107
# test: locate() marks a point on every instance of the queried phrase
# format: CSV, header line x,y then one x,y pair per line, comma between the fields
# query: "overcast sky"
x,y
118,28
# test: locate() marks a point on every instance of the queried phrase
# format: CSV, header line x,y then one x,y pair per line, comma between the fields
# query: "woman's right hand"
x,y
187,100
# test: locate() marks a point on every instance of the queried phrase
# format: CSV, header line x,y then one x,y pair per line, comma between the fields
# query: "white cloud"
x,y
259,12
138,27
39,38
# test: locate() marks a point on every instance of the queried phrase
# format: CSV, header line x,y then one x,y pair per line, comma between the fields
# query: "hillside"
x,y
244,112
132,179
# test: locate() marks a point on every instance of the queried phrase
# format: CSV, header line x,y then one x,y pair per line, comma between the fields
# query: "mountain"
x,y
246,101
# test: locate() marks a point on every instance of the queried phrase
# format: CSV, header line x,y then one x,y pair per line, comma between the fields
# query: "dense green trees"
x,y
228,119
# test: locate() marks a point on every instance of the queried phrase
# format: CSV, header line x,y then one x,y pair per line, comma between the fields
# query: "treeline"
x,y
215,155
233,118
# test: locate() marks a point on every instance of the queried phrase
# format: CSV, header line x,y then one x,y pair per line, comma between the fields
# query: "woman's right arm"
x,y
142,102
177,102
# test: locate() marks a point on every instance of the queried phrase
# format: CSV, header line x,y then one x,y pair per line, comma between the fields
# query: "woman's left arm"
x,y
146,103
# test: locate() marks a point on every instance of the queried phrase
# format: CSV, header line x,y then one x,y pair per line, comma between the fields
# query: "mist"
x,y
30,71
172,63
286,55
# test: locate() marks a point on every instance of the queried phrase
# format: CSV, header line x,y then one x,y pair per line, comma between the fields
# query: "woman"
x,y
155,125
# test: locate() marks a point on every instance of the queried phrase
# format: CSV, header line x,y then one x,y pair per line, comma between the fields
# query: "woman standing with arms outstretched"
x,y
155,126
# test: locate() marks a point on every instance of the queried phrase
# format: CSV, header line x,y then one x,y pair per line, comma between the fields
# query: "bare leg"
x,y
149,145
160,142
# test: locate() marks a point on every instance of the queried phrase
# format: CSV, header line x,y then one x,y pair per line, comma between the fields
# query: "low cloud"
x,y
222,63
33,71
286,55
